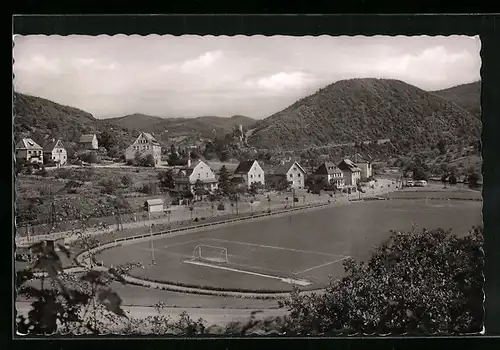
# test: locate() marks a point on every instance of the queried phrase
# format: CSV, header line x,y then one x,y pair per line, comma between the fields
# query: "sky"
x,y
256,76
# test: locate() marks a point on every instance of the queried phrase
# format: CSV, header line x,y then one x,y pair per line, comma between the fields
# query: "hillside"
x,y
42,119
467,96
182,129
356,110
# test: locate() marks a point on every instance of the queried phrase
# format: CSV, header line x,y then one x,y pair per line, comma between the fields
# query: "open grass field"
x,y
308,246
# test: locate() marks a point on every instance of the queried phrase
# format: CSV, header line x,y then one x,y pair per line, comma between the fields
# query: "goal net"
x,y
210,253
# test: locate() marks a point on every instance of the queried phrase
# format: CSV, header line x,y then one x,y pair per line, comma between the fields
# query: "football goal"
x,y
210,253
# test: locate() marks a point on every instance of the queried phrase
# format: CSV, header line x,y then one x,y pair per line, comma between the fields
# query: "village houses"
x,y
144,145
54,152
291,172
29,151
330,173
352,173
185,178
249,172
88,142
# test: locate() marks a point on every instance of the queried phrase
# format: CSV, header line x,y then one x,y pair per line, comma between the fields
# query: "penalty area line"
x,y
322,265
282,279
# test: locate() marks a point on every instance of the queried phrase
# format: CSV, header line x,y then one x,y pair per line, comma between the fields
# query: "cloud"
x,y
255,76
194,65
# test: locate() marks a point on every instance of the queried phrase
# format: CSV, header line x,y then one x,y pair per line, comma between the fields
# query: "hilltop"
x,y
42,119
356,110
467,96
182,129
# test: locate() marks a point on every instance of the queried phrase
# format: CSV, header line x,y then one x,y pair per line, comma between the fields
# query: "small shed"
x,y
154,205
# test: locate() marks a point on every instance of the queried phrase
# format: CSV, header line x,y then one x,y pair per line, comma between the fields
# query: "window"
x,y
291,175
29,152
294,169
251,176
259,175
298,174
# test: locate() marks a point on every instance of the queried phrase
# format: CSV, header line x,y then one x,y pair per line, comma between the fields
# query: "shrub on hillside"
x,y
109,186
417,282
126,180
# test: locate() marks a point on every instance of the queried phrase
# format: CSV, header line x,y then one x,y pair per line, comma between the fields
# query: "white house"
x,y
291,172
186,178
365,164
144,145
55,152
29,151
330,173
352,173
88,141
249,172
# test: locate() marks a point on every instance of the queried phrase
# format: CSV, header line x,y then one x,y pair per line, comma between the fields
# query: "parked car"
x,y
421,183
410,183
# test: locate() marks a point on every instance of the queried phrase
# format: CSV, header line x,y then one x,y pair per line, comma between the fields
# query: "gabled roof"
x,y
87,138
285,167
244,167
364,159
328,168
347,164
156,201
49,146
28,143
150,138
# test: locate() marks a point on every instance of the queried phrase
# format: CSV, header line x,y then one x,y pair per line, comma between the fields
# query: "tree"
x,y
224,181
417,282
107,140
452,179
473,179
194,155
166,179
173,156
127,180
442,146
199,188
147,161
419,173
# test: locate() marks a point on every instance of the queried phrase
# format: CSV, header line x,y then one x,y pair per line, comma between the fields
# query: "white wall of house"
x,y
296,176
366,169
351,177
144,147
255,175
203,173
58,154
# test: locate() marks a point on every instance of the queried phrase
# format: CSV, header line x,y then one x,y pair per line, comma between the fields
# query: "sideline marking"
x,y
282,279
274,247
322,265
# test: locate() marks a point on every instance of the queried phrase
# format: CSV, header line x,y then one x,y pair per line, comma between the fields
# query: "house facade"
x,y
330,173
88,141
144,145
292,172
55,152
249,172
29,151
186,178
365,164
352,173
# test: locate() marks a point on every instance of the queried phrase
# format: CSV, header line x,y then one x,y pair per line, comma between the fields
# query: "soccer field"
x,y
305,248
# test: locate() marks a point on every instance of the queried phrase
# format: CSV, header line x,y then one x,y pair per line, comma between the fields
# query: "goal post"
x,y
203,252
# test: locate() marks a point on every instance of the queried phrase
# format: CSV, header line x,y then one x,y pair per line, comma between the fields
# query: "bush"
x,y
417,282
127,180
109,186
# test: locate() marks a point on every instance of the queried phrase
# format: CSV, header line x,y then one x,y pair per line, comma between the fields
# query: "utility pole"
x,y
152,245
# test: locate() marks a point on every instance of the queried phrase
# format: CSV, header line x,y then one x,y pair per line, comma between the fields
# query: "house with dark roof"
x,y
290,172
88,141
145,144
352,173
186,178
54,152
330,173
29,151
249,172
